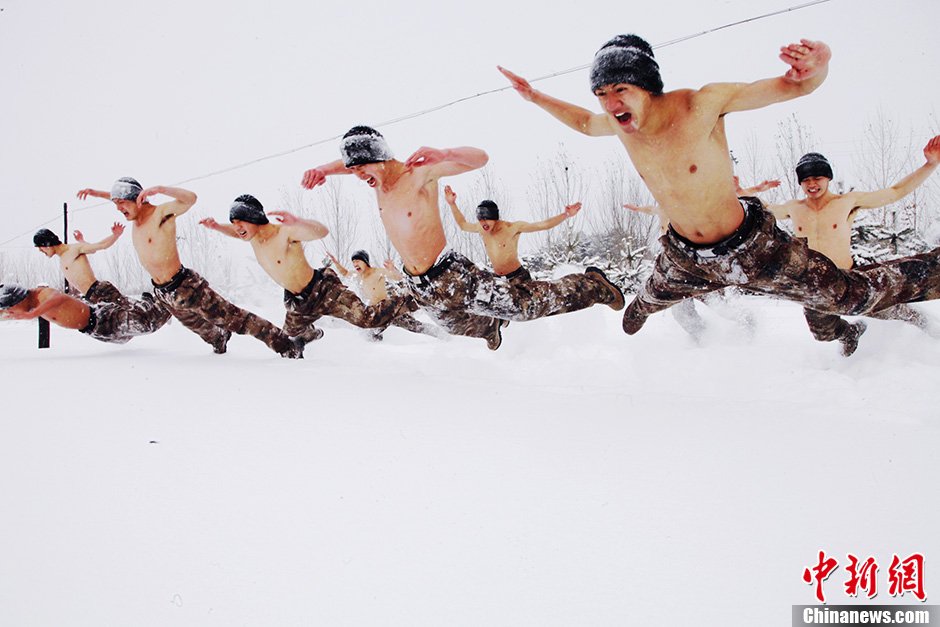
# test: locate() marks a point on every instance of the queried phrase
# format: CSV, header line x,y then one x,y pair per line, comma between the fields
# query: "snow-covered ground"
x,y
575,477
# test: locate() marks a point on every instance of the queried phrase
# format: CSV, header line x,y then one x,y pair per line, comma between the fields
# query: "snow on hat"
x,y
812,164
126,188
45,237
11,295
362,256
247,208
362,145
487,210
626,59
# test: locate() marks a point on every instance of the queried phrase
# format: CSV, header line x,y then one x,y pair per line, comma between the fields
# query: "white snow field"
x,y
577,476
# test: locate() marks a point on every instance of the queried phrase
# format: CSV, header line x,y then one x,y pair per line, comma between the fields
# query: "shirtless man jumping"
x,y
825,219
73,259
501,238
180,290
308,294
676,140
106,321
373,285
465,299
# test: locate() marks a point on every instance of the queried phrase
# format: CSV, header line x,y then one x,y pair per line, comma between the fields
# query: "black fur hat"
x,y
487,210
126,188
812,164
362,256
247,208
11,295
364,144
45,237
626,59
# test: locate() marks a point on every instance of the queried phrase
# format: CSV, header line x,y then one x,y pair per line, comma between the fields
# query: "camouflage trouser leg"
x,y
904,313
336,300
828,327
326,295
204,312
668,285
119,322
459,285
104,292
410,323
765,259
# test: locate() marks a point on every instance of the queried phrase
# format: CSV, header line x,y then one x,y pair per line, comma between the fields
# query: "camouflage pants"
x,y
104,292
466,299
408,323
119,322
326,295
762,258
201,310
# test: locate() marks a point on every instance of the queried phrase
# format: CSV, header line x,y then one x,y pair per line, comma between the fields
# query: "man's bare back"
x,y
76,268
52,305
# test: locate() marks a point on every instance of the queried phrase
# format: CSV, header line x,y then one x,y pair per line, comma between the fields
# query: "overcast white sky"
x,y
167,91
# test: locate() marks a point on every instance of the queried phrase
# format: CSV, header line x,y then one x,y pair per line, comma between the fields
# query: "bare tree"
x,y
884,157
557,183
609,219
793,139
340,214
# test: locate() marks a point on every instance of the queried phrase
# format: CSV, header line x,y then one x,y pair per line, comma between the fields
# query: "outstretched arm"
x,y
809,65
763,186
451,197
84,248
85,193
317,176
339,267
300,229
652,210
550,223
882,197
183,199
447,161
573,116
29,314
224,229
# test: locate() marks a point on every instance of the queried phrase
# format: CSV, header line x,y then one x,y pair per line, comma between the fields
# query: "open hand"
x,y
449,195
806,59
932,151
145,194
424,156
521,85
312,178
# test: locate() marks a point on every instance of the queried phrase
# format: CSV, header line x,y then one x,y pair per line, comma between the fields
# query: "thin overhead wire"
x,y
423,112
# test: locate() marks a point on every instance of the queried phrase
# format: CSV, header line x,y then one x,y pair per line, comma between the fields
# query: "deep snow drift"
x,y
575,477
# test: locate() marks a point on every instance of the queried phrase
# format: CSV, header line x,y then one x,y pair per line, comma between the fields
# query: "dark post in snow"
x,y
43,323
